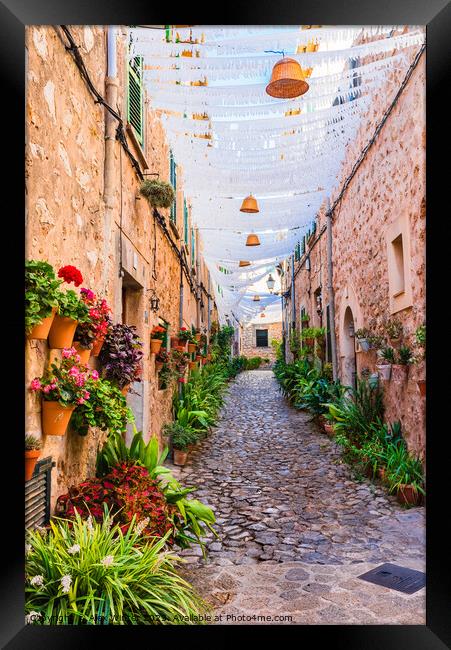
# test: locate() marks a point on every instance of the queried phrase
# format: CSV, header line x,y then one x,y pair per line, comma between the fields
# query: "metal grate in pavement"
x,y
396,577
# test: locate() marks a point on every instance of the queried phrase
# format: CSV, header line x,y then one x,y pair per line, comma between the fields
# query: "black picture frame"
x,y
436,15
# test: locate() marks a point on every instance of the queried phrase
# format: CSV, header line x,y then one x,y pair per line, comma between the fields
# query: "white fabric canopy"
x,y
232,138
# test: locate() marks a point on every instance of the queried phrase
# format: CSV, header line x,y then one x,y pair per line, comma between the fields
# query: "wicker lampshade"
x,y
262,316
244,263
287,80
249,204
256,298
252,240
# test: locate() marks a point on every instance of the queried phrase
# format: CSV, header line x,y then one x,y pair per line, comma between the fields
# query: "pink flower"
x,y
86,394
80,381
94,375
89,295
74,371
77,358
35,384
80,400
69,352
47,389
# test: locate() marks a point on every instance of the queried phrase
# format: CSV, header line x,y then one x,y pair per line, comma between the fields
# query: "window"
x,y
135,97
261,338
37,494
173,181
398,266
185,223
297,252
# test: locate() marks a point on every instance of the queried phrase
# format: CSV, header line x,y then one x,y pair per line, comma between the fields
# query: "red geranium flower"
x,y
70,274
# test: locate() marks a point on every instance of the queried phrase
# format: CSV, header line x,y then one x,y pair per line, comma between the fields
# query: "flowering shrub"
x,y
41,292
121,355
99,320
127,490
158,332
70,274
66,382
106,408
185,334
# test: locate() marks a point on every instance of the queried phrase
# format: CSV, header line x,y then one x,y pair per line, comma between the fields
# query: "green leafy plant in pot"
x,y
182,438
363,337
41,298
404,358
158,193
386,360
71,311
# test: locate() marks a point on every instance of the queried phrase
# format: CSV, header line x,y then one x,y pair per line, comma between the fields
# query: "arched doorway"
x,y
349,367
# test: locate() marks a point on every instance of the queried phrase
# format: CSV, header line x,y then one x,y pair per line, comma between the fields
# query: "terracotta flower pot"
x,y
384,370
98,343
180,457
399,373
62,332
158,365
41,331
125,390
192,347
198,335
192,365
31,458
329,429
198,357
309,342
182,345
174,341
155,345
422,387
381,472
407,495
84,353
55,418
180,348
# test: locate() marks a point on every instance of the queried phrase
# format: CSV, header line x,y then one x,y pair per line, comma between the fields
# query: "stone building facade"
x,y
83,207
256,338
378,254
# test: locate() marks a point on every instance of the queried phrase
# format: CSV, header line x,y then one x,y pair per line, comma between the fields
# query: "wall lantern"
x,y
244,263
249,204
351,330
252,240
319,305
154,301
287,80
270,282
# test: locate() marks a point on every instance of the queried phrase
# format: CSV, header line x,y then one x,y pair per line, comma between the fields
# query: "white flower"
x,y
28,548
37,581
142,524
107,561
66,582
74,549
32,617
89,523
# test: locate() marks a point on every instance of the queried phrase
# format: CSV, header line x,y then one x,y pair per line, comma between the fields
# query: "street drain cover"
x,y
396,577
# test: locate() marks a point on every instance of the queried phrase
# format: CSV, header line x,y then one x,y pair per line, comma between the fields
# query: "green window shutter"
x,y
193,247
173,180
297,252
185,222
135,97
303,246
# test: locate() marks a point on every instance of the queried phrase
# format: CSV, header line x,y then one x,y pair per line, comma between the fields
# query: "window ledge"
x,y
398,293
136,146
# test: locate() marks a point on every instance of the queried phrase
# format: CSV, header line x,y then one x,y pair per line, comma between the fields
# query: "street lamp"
x,y
270,282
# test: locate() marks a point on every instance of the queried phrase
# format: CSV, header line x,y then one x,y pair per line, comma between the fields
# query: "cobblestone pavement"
x,y
283,498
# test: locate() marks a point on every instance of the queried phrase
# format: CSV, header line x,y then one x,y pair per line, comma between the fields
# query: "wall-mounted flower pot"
x,y
42,330
198,335
408,495
31,458
192,347
309,342
84,353
98,343
198,357
384,371
158,365
329,429
421,383
62,332
399,373
155,345
180,457
364,345
174,341
183,345
208,357
55,418
192,365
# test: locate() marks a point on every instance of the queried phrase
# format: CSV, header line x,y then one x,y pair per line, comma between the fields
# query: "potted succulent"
x,y
41,302
400,368
387,359
362,336
121,355
159,193
71,311
394,330
33,446
156,339
62,389
181,438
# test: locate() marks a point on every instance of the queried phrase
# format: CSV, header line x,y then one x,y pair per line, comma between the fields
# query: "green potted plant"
x,y
184,335
305,319
387,359
394,330
192,342
71,311
41,298
33,445
308,336
404,475
404,358
162,358
181,438
363,336
159,193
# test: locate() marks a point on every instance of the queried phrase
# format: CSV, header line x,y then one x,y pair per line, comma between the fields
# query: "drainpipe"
x,y
111,92
293,300
330,290
198,288
209,307
181,287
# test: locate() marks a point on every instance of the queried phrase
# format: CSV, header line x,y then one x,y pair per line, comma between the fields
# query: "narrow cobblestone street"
x,y
295,528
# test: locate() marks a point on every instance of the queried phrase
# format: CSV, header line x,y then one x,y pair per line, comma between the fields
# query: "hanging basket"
x,y
287,80
158,193
252,240
244,263
249,204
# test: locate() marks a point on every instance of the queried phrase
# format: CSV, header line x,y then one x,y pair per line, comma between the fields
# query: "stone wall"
x,y
83,207
386,197
248,337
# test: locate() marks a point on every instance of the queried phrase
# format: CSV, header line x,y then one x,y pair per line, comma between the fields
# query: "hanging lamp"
x,y
252,240
256,298
270,282
244,263
249,204
287,80
262,316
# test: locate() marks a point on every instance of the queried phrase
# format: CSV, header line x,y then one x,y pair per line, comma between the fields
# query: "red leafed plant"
x,y
127,490
70,274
